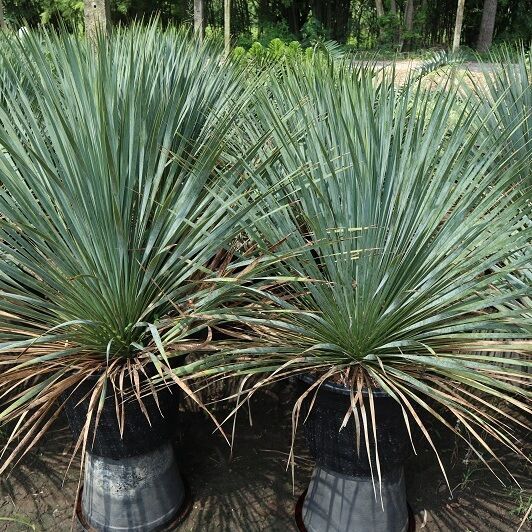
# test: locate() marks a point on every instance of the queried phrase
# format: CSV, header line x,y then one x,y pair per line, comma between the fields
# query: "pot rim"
x,y
333,387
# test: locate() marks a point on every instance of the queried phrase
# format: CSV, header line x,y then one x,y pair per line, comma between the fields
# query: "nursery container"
x,y
342,497
131,482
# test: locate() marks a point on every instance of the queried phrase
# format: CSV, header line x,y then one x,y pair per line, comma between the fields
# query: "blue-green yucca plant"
x,y
409,234
115,199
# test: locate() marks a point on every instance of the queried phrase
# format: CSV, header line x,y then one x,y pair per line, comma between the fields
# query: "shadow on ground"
x,y
41,489
477,501
252,491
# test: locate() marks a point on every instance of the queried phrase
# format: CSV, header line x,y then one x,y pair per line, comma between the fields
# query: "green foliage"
x,y
514,21
67,12
389,28
313,31
276,50
239,52
256,50
70,11
522,503
310,21
16,11
270,31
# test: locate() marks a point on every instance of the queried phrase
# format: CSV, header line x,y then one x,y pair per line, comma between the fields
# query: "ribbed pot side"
x,y
341,496
131,483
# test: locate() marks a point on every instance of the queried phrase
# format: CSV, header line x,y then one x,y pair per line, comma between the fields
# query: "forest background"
x,y
387,25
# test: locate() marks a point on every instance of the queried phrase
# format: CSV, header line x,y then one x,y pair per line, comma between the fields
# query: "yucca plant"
x,y
116,199
407,227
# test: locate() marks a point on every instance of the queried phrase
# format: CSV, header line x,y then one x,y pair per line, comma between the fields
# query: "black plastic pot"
x,y
341,496
131,482
139,435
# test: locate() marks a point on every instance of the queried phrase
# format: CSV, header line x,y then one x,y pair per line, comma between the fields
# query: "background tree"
x,y
409,24
332,17
487,25
458,25
227,27
2,20
199,18
379,6
97,16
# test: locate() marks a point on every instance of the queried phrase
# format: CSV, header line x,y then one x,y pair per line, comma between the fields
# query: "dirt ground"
x,y
472,72
253,490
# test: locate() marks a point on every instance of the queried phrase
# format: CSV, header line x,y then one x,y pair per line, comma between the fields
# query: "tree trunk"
x,y
97,17
380,12
409,23
398,30
240,18
264,13
425,19
199,18
409,15
227,27
458,25
380,8
2,19
487,24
